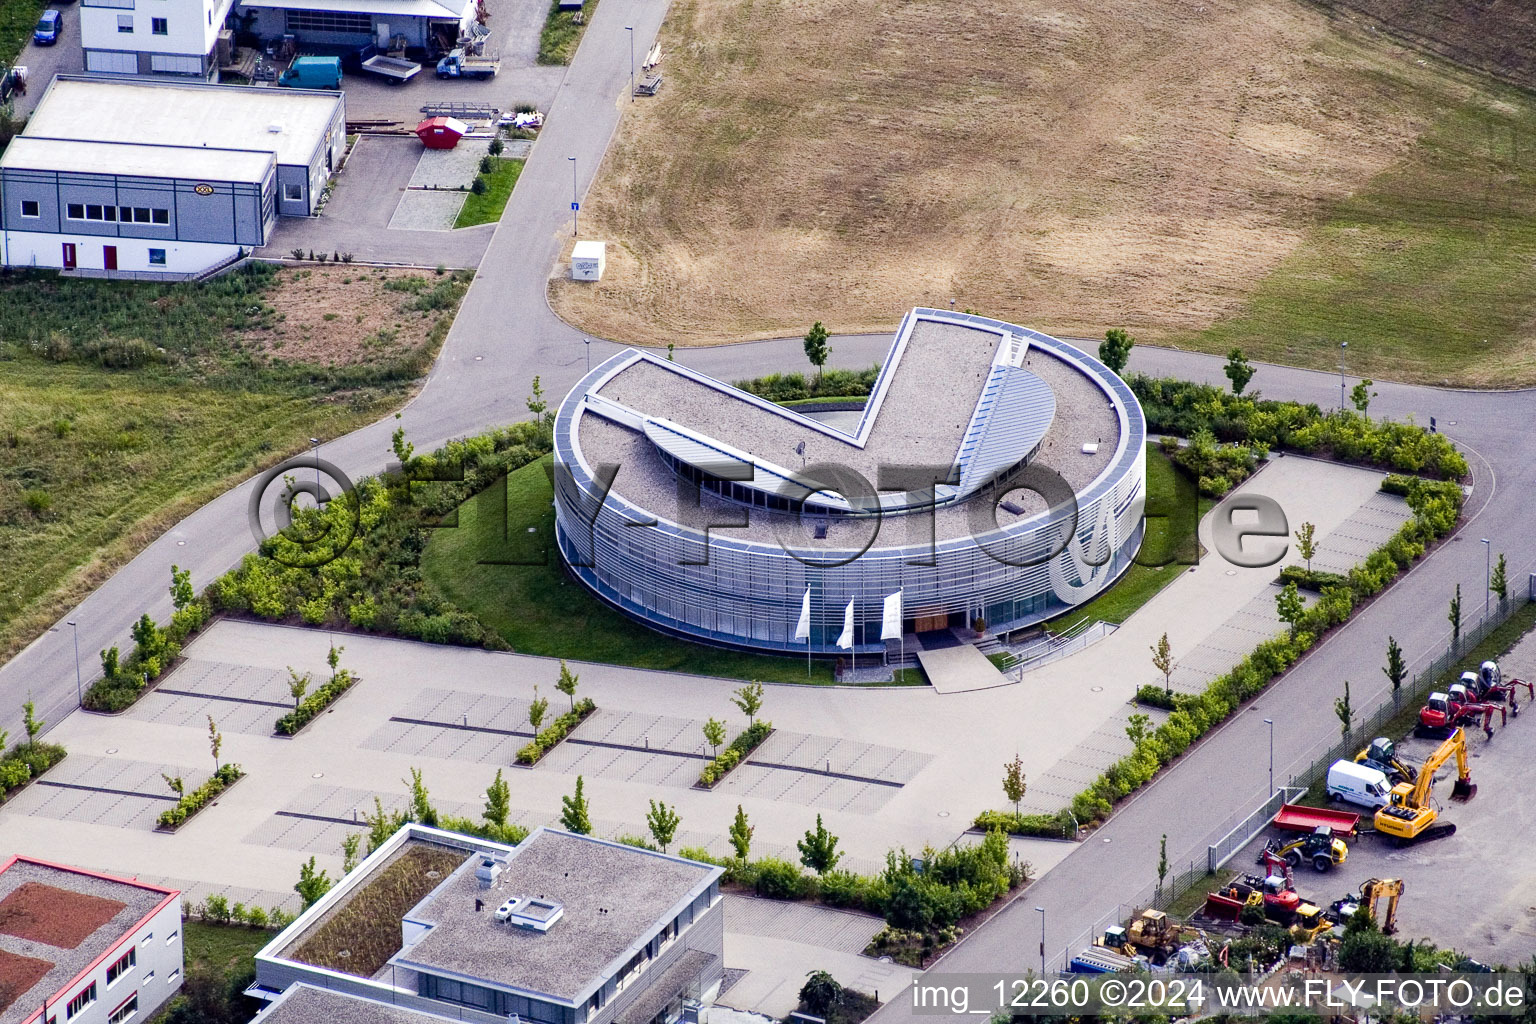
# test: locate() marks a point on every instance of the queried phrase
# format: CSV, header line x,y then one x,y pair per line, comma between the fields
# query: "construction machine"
x,y
1409,818
1489,684
1382,755
1151,935
1372,890
1318,848
1446,712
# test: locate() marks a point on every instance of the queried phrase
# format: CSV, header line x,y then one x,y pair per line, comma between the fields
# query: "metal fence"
x,y
1230,836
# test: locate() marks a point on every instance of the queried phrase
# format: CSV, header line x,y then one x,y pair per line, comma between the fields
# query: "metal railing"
x,y
1052,648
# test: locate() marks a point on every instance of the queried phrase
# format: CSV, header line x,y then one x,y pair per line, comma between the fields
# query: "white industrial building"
x,y
334,26
175,37
83,948
159,177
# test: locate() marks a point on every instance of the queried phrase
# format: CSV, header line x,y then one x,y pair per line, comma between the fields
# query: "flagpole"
x,y
901,628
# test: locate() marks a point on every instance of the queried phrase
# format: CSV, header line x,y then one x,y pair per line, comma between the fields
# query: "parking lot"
x,y
1473,890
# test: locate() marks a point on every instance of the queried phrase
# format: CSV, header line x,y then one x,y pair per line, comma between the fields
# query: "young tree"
x,y
110,662
333,659
182,593
1342,708
749,699
1499,581
215,742
30,722
575,816
349,845
311,884
537,709
1162,862
498,801
1162,660
816,348
403,448
1014,784
1115,349
176,785
1361,395
662,821
1306,543
566,684
1455,616
1238,370
298,685
382,824
1396,668
1290,607
714,734
1136,728
741,834
421,801
818,850
539,406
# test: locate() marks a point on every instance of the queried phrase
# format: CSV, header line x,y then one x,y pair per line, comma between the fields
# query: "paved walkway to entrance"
x,y
961,668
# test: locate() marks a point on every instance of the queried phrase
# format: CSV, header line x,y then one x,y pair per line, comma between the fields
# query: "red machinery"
x,y
1488,684
1300,818
1445,712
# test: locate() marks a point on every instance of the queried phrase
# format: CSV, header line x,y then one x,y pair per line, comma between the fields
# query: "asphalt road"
x,y
505,334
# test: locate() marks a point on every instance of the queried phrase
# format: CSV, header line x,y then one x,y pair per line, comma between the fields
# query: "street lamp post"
x,y
575,200
314,450
631,30
1271,723
588,343
1041,912
1343,348
1487,575
79,691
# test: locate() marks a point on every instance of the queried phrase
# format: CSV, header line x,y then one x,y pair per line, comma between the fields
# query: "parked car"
x,y
1358,784
312,73
49,27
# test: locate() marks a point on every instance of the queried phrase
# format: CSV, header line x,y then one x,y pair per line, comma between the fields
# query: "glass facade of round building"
x,y
996,473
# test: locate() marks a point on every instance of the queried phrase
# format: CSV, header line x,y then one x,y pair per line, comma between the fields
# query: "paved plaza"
x,y
886,767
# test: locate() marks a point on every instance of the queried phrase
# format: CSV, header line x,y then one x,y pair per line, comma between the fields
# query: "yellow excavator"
x,y
1409,818
1373,889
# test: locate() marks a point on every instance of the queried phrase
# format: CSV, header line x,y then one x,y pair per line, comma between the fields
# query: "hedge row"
x,y
790,387
952,883
1046,826
1436,506
202,796
1312,579
1181,407
123,681
555,731
316,702
25,762
750,739
1216,468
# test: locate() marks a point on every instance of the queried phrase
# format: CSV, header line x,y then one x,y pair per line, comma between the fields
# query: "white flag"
x,y
803,627
890,623
846,640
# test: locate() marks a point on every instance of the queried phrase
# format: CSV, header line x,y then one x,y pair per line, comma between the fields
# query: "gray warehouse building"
x,y
151,177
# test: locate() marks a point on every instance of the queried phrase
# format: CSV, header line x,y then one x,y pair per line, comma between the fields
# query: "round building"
x,y
995,474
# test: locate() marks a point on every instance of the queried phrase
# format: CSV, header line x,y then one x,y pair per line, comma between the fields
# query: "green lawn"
x,y
486,208
561,36
1171,526
124,406
17,19
223,949
538,611
1429,271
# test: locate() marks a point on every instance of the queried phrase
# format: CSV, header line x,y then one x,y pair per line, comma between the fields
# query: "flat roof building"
x,y
144,177
995,473
84,948
561,929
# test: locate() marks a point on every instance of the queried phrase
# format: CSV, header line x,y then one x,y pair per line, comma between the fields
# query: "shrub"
x,y
556,731
1311,579
316,702
478,186
1049,826
781,880
190,803
747,741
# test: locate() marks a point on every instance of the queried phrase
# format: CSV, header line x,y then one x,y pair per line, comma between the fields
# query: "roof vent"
x,y
274,129
537,915
488,871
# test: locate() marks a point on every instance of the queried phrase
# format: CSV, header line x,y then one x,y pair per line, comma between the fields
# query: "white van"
x,y
1358,784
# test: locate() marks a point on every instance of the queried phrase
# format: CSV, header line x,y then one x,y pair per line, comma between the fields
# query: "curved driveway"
x,y
505,334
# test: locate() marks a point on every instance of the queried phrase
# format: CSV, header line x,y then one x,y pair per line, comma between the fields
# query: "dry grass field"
x,y
1072,165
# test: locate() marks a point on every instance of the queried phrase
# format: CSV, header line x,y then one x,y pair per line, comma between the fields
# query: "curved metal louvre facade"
x,y
749,594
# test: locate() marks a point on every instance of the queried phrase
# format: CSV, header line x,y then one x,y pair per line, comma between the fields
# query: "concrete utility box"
x,y
588,261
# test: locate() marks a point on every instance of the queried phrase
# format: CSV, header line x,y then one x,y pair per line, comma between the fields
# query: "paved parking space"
x,y
450,168
841,757
420,210
241,699
113,792
838,930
